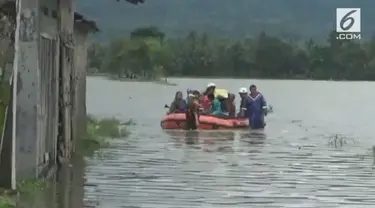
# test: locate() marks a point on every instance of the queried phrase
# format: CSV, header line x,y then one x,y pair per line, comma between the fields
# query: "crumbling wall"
x,y
37,107
66,66
45,48
48,98
79,106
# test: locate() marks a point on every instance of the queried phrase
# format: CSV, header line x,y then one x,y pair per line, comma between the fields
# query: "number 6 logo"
x,y
348,20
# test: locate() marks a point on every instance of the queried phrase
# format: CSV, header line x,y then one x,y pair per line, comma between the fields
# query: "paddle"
x,y
166,106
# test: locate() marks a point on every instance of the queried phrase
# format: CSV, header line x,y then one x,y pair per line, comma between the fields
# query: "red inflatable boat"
x,y
177,121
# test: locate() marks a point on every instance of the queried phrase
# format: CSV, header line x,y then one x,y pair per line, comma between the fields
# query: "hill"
x,y
297,19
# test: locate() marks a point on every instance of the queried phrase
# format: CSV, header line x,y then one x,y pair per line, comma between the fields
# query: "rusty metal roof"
x,y
135,1
80,18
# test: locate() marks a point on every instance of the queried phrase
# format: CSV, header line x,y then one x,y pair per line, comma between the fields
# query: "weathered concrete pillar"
x,y
23,145
66,19
27,126
80,69
83,28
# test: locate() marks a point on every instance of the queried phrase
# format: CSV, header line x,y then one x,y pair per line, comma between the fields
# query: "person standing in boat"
x,y
256,107
179,104
231,105
244,95
192,113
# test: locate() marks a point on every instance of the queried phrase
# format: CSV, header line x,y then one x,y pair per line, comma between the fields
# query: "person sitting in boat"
x,y
244,95
203,100
190,91
196,93
198,96
215,105
179,104
211,87
227,103
256,107
231,105
192,113
223,104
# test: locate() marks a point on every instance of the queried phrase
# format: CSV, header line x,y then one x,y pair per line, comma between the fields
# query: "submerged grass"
x,y
33,192
4,101
6,199
27,190
101,130
7,202
31,186
339,141
5,90
156,80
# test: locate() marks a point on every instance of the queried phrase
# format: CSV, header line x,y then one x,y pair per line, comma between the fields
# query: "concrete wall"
x,y
27,96
37,101
47,46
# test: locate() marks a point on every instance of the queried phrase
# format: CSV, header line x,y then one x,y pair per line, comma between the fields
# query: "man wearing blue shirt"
x,y
256,107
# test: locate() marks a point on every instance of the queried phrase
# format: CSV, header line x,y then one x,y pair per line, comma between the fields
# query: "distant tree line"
x,y
149,54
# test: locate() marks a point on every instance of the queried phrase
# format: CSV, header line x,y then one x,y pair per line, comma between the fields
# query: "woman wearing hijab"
x,y
179,104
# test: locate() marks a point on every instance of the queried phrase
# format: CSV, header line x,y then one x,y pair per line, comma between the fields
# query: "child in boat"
x,y
192,113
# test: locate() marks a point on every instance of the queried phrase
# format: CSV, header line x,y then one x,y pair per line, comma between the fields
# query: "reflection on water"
x,y
253,137
64,190
67,188
198,137
191,137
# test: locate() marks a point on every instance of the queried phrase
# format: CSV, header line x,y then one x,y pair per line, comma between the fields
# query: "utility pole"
x,y
15,84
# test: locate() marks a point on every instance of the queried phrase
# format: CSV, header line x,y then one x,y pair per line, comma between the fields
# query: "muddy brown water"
x,y
315,152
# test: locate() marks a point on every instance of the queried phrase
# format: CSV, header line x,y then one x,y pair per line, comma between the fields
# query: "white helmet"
x,y
243,90
211,85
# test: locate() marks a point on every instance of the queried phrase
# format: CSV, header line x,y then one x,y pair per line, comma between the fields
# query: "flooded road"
x,y
315,152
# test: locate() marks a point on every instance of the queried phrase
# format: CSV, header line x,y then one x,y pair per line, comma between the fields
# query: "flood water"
x,y
315,152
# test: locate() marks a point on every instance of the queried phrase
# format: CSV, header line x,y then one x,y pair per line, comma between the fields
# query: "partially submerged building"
x,y
47,111
82,29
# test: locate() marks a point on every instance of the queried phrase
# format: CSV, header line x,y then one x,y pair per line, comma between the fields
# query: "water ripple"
x,y
295,163
234,173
